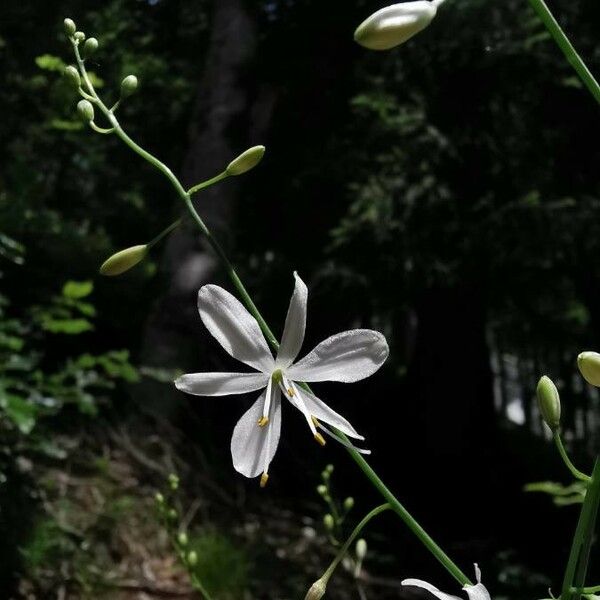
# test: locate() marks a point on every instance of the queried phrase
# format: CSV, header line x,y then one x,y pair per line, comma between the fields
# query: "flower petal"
x,y
477,592
348,356
234,327
430,588
253,447
295,325
221,384
324,413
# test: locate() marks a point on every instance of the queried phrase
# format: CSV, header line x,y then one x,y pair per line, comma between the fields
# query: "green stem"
x,y
248,302
563,453
340,555
567,48
163,233
591,590
574,578
207,183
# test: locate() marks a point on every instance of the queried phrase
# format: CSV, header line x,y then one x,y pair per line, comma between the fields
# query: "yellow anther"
x,y
314,420
290,392
263,421
320,439
263,479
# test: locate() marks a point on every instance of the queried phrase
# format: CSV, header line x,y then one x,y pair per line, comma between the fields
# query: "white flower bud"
x,y
90,46
245,161
129,85
361,549
79,36
70,27
71,75
395,24
85,110
589,367
549,402
317,590
182,538
123,260
328,522
192,558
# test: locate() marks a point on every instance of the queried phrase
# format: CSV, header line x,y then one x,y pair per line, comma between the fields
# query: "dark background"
x,y
445,193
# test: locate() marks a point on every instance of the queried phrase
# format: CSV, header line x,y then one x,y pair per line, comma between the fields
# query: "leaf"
x,y
160,375
19,411
77,289
49,62
67,326
562,495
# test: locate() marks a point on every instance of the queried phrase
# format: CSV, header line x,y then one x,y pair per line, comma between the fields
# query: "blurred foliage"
x,y
562,495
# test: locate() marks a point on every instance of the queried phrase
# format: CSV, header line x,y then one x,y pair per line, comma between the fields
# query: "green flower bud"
x,y
71,75
328,522
192,558
129,85
85,110
79,36
348,503
322,490
160,499
182,538
173,481
124,259
395,24
589,367
172,514
361,549
549,402
90,46
317,590
245,161
70,27
329,468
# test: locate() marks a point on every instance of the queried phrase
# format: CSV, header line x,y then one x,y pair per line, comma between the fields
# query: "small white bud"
x,y
549,402
361,549
245,161
123,260
192,558
70,27
129,85
182,538
589,367
85,110
90,46
79,36
395,24
317,590
328,522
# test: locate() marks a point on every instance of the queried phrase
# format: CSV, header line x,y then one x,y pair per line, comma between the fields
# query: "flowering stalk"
x,y
565,45
90,95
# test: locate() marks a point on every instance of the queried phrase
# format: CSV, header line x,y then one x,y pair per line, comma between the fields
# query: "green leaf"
x,y
67,326
77,289
19,411
49,62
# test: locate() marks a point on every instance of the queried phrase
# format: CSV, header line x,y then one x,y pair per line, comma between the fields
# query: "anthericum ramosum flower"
x,y
589,367
346,357
474,592
395,24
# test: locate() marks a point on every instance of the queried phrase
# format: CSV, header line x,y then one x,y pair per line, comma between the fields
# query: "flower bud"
x,y
348,503
71,75
182,538
361,549
160,499
322,490
172,514
85,110
90,46
173,481
589,367
192,558
317,590
79,36
124,259
129,85
245,161
328,522
70,27
395,24
548,402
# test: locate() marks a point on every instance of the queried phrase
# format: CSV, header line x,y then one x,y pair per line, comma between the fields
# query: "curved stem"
x,y
563,453
394,503
207,183
567,48
163,233
342,552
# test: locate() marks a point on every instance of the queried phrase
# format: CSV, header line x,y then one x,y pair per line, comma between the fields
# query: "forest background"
x,y
445,193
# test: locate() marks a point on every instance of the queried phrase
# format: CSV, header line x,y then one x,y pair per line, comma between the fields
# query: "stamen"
x,y
290,392
263,421
344,443
315,420
320,439
267,405
296,399
263,479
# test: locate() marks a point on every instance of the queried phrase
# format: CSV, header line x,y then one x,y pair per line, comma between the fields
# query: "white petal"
x,y
253,447
430,588
477,592
234,327
348,356
295,325
324,413
221,384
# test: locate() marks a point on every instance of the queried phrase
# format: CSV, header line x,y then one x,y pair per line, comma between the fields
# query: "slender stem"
x,y
163,233
563,453
394,503
103,130
567,48
576,570
207,183
591,590
342,552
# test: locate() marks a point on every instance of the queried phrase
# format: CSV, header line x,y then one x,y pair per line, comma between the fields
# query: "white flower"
x,y
474,592
395,24
346,357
